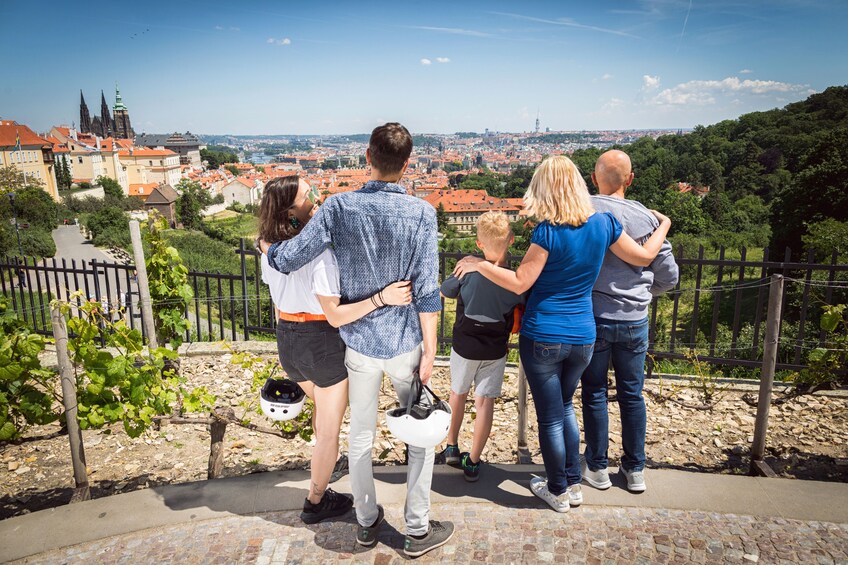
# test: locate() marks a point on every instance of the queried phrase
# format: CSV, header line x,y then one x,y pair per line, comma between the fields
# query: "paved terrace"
x,y
683,517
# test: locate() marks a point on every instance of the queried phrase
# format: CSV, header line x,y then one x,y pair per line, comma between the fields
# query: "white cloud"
x,y
219,28
426,62
612,104
745,72
703,92
606,76
281,41
650,83
442,60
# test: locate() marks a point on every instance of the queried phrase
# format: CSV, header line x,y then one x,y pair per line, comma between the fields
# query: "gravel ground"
x,y
808,439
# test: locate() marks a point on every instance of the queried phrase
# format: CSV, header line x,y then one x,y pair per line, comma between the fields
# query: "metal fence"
x,y
718,307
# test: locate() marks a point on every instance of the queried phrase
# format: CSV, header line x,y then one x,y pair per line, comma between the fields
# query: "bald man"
x,y
620,300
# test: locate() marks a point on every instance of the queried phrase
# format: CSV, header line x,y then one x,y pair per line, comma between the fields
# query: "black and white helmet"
x,y
281,399
424,422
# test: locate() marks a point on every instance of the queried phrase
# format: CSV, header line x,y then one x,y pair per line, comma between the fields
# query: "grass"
x,y
240,225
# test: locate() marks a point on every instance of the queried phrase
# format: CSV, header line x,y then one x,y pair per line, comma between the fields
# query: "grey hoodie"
x,y
622,291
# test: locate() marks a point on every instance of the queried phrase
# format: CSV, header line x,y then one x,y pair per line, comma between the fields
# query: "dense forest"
x,y
774,176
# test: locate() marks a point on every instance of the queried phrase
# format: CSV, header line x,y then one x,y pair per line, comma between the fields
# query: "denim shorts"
x,y
311,351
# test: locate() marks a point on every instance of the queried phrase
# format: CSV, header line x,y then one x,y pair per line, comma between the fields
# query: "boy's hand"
x,y
468,264
263,246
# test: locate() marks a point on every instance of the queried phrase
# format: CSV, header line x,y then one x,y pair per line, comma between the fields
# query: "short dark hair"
x,y
390,146
278,197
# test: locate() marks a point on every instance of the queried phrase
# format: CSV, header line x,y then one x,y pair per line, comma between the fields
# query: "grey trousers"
x,y
365,376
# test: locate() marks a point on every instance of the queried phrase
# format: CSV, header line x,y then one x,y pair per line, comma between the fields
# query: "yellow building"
x,y
84,158
153,165
33,156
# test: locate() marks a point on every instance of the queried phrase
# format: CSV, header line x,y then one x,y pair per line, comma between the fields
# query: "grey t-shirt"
x,y
622,291
484,316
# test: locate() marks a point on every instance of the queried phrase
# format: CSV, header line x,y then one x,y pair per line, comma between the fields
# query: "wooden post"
x,y
217,429
69,399
775,303
143,286
523,452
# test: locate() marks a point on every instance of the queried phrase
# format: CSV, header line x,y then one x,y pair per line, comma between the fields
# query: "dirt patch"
x,y
808,439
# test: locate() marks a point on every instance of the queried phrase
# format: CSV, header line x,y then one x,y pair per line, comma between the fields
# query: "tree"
x,y
108,227
453,166
110,187
233,169
826,238
441,218
12,179
193,199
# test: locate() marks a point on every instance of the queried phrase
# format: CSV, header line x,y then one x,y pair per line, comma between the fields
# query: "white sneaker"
x,y
635,479
598,479
539,486
575,495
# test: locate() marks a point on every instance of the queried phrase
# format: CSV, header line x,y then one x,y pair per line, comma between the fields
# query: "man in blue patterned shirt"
x,y
381,235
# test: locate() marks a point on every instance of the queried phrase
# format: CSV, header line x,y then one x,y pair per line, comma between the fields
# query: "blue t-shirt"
x,y
559,309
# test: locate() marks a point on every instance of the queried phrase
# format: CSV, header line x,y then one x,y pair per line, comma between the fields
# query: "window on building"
x,y
80,159
151,163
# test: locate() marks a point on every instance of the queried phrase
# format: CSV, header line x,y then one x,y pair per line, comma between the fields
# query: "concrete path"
x,y
683,517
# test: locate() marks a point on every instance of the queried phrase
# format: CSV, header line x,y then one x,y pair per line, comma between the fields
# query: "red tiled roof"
x,y
10,129
143,190
461,200
144,152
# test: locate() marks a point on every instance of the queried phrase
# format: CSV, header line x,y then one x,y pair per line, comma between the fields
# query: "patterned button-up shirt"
x,y
380,235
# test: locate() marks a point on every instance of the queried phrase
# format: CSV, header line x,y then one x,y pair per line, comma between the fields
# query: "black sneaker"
x,y
438,535
332,504
449,455
469,469
367,535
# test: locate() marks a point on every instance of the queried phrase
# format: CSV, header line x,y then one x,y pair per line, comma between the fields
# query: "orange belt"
x,y
302,317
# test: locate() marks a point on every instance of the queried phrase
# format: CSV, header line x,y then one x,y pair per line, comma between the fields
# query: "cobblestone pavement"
x,y
486,533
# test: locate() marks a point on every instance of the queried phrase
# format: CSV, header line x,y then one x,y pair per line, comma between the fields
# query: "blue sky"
x,y
330,67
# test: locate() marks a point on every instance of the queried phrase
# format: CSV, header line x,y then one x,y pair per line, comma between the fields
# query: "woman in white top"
x,y
311,351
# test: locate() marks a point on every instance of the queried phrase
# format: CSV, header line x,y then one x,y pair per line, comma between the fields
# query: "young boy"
x,y
484,318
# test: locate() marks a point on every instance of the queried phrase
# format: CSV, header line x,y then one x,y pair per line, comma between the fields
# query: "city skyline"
x,y
329,68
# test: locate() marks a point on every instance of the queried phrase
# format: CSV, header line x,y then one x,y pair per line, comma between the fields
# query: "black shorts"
x,y
311,351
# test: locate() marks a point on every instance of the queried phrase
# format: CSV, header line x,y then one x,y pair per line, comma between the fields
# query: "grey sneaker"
x,y
598,479
635,480
575,495
438,535
539,486
367,535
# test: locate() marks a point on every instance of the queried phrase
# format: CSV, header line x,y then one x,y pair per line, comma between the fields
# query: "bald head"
x,y
613,172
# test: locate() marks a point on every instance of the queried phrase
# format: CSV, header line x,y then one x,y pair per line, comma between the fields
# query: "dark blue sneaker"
x,y
449,455
469,469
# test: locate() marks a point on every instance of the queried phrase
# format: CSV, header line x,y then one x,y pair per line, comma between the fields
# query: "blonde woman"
x,y
558,329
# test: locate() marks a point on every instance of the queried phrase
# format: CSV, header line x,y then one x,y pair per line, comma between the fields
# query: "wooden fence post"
x,y
775,303
69,399
523,453
143,286
217,429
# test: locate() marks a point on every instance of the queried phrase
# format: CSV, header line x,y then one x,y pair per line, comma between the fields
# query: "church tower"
x,y
85,117
123,128
106,124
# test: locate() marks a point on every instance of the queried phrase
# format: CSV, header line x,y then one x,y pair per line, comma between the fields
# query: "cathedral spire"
x,y
106,124
119,104
85,117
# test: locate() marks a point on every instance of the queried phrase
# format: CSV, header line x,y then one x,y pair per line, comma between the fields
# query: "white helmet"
x,y
424,422
281,399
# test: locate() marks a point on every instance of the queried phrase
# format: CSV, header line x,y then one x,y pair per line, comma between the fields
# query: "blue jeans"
x,y
625,343
553,371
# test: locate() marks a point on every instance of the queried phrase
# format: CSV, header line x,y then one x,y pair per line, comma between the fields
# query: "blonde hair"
x,y
493,228
558,193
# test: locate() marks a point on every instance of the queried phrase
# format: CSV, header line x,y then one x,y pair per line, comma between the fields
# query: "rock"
x,y
13,465
92,441
717,443
21,470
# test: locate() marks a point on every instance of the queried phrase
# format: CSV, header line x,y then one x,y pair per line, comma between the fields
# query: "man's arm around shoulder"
x,y
666,272
291,255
